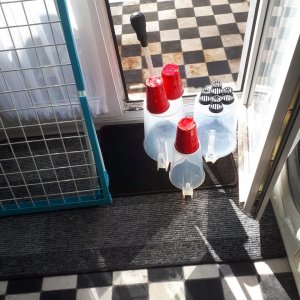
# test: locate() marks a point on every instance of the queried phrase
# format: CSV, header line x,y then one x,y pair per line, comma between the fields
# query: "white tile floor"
x,y
130,277
59,283
269,279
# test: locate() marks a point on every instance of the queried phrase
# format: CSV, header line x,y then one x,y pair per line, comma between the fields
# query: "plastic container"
x,y
160,121
187,171
173,85
215,113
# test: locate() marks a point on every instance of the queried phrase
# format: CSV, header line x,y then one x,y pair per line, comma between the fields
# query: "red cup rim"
x,y
170,69
187,141
156,98
172,81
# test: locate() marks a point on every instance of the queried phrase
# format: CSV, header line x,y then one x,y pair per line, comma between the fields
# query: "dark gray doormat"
x,y
137,232
132,172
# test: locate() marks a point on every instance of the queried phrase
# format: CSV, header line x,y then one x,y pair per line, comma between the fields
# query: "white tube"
x,y
210,156
148,60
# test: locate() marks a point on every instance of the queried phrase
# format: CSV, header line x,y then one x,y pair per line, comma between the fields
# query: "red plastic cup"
x,y
156,99
172,81
186,136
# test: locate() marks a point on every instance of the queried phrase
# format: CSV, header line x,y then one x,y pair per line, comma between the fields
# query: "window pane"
x,y
274,57
205,38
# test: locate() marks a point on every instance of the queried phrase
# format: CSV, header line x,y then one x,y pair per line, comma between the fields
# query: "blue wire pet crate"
x,y
50,158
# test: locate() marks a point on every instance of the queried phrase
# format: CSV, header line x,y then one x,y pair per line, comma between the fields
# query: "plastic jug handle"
x,y
210,156
162,157
187,190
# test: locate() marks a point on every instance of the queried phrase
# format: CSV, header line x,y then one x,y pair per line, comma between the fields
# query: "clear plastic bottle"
x,y
160,121
215,113
187,172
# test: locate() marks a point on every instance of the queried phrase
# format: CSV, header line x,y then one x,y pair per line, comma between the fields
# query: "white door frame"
x,y
251,179
254,47
289,144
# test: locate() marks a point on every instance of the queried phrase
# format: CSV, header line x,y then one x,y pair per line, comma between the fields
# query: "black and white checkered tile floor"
x,y
204,37
270,279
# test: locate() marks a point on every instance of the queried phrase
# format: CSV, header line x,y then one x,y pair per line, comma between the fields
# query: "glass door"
x,y
205,38
270,101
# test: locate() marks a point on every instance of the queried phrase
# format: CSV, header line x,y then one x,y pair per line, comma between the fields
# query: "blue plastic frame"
x,y
100,197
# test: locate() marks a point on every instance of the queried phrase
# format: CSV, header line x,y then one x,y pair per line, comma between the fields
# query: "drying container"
x,y
215,113
160,121
187,172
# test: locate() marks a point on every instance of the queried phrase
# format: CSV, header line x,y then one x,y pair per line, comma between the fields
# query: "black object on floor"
x,y
132,172
137,232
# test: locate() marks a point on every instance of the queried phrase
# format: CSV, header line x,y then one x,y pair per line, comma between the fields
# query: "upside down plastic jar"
x,y
187,172
215,113
160,121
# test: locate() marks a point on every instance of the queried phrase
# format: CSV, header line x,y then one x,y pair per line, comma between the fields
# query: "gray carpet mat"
x,y
137,232
53,166
134,232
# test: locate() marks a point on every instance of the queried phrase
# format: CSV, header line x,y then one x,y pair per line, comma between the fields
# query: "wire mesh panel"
x,y
49,154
